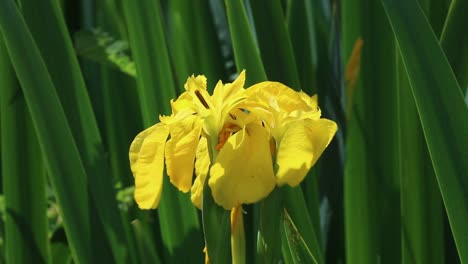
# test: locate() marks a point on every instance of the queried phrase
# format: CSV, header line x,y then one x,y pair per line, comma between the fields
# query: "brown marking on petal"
x,y
272,147
227,130
233,116
202,100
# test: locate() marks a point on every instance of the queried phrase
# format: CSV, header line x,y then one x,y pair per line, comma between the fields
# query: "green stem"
x,y
216,220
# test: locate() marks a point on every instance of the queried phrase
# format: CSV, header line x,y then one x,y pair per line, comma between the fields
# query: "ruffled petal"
x,y
243,172
147,164
180,152
202,165
233,91
195,83
278,96
311,101
183,103
300,147
196,88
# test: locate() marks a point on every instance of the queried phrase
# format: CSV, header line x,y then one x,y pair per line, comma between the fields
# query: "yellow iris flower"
x,y
265,136
299,133
196,120
250,166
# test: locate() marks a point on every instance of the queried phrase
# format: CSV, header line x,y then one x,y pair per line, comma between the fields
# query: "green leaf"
x,y
295,205
22,173
101,47
371,181
246,52
441,107
300,252
278,59
301,28
149,49
181,37
61,156
56,48
208,50
285,250
193,41
146,246
421,204
61,253
178,219
454,39
268,243
216,228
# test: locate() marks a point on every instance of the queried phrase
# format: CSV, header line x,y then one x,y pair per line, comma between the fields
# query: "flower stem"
x,y
237,236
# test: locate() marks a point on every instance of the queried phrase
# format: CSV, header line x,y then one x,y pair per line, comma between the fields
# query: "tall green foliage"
x,y
377,195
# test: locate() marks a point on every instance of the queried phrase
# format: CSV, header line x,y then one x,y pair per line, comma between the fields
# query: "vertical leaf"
x,y
56,48
58,148
300,252
216,228
441,108
421,207
178,218
301,28
278,59
22,173
246,52
454,39
269,244
295,205
372,208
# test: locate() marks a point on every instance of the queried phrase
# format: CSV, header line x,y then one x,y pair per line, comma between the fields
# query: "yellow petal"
x,y
301,146
311,101
147,164
202,164
196,87
229,91
243,172
180,152
195,83
183,102
277,95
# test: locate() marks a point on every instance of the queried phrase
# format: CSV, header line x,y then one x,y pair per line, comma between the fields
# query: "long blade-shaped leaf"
x,y
216,228
295,204
371,173
193,41
421,205
56,48
454,41
58,147
269,244
246,52
23,174
278,59
442,110
300,252
301,29
422,238
178,218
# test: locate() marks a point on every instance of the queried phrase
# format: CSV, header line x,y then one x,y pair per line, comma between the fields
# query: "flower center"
x,y
228,130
